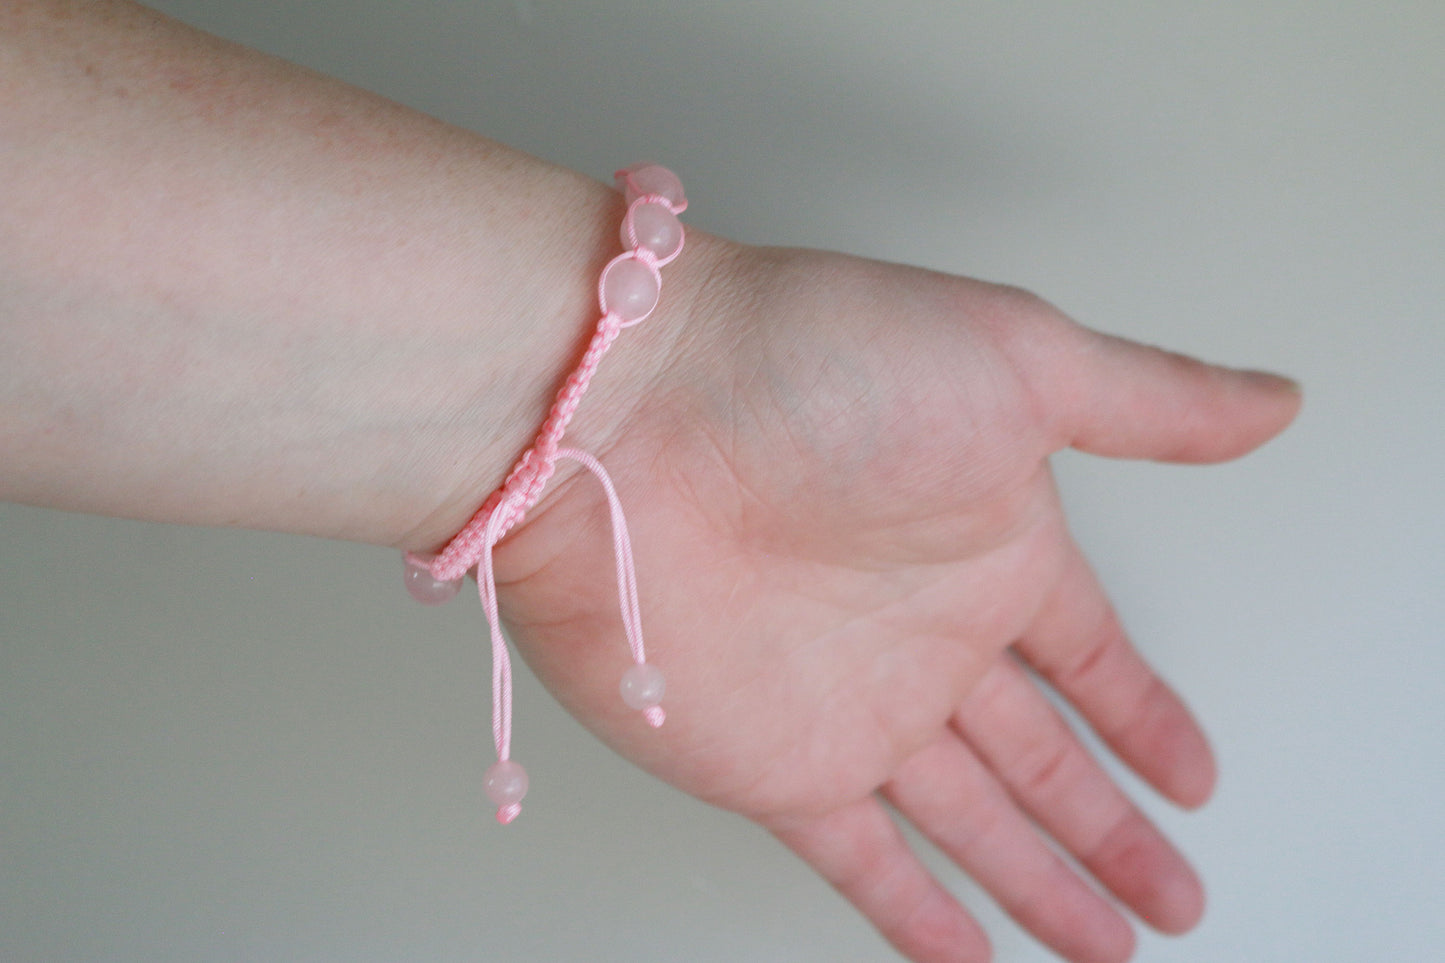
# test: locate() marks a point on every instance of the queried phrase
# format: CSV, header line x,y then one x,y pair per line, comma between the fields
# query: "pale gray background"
x,y
232,746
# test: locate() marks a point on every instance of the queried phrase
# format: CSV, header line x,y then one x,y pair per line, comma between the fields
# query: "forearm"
x,y
235,292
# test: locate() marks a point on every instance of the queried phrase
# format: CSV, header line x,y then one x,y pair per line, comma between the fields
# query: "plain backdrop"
x,y
240,746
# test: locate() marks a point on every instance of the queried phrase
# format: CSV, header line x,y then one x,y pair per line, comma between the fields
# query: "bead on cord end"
x,y
643,687
506,783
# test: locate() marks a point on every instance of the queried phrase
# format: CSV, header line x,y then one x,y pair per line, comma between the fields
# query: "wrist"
x,y
557,294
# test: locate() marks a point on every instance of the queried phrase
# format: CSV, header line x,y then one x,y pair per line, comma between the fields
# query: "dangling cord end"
x,y
506,781
642,684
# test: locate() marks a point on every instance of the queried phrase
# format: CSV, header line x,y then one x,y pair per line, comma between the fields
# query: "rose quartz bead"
x,y
658,230
641,179
642,687
425,589
630,289
506,783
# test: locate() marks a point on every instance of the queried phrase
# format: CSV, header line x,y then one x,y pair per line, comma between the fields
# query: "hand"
x,y
857,578
848,543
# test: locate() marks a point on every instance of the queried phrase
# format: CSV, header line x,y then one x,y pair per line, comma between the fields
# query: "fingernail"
x,y
1272,382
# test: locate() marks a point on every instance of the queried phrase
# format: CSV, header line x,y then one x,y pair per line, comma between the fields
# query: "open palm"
x,y
854,570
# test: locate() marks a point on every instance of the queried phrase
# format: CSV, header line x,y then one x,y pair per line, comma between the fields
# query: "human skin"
x,y
233,292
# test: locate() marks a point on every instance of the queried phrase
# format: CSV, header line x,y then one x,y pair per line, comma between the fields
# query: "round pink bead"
x,y
630,289
506,783
642,179
658,230
427,590
642,687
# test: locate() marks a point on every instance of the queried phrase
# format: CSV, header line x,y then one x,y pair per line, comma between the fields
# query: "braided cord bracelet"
x,y
627,292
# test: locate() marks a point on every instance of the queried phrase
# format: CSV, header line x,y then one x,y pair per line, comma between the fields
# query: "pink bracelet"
x,y
627,292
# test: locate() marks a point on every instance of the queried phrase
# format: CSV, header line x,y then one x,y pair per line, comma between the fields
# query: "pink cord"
x,y
627,291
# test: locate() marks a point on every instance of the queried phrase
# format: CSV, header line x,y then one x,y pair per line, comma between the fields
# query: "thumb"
x,y
1119,398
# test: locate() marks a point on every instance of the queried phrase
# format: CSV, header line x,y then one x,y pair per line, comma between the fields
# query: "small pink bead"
x,y
642,179
642,687
629,288
506,783
425,589
658,230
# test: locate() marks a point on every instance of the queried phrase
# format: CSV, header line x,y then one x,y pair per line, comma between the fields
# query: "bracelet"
x,y
627,292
